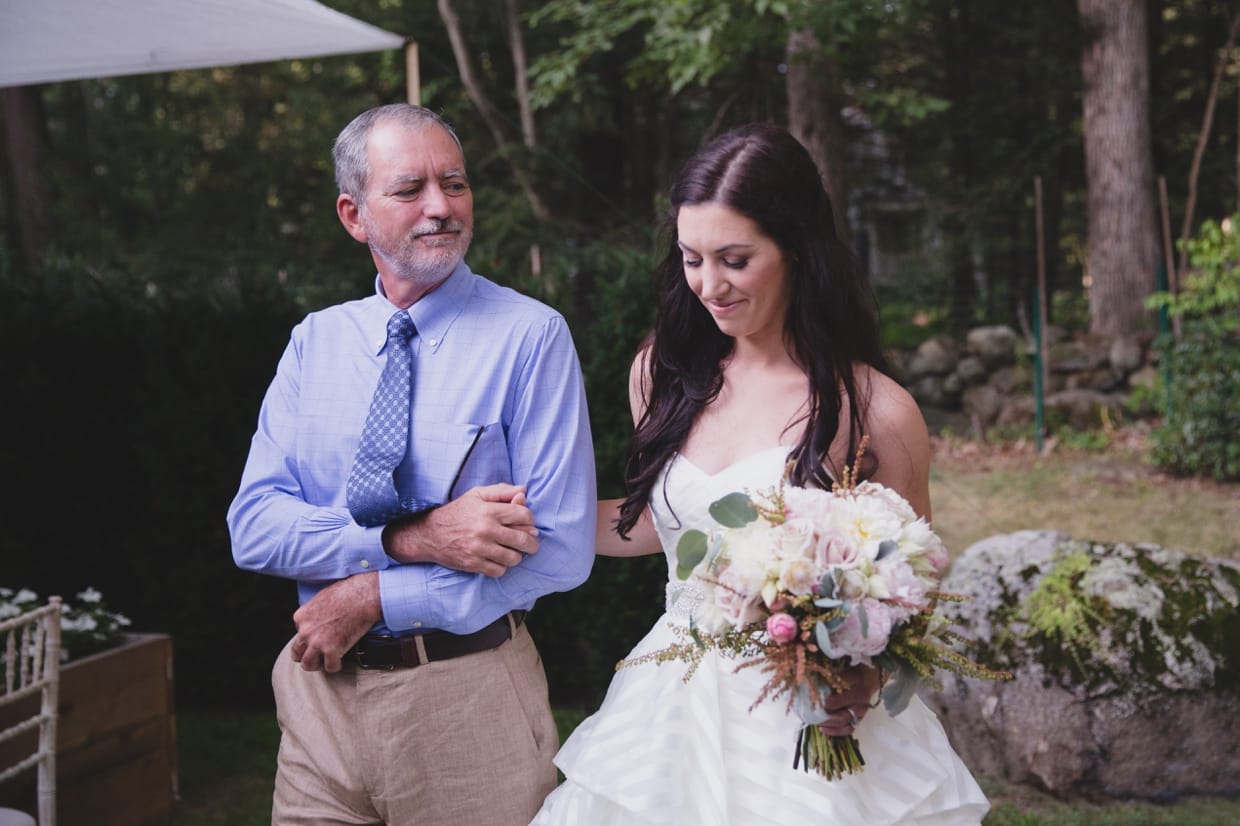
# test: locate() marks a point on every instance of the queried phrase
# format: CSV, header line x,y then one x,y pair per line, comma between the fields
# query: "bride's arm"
x,y
642,539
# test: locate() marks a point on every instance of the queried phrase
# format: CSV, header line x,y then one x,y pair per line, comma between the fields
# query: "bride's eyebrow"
x,y
720,250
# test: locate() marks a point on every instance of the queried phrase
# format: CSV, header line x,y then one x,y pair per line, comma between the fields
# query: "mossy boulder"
x,y
1126,661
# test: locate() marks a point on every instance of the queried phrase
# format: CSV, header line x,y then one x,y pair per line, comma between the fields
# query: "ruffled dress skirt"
x,y
665,750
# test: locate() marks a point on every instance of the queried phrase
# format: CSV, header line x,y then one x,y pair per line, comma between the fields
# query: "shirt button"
x,y
417,624
365,563
434,342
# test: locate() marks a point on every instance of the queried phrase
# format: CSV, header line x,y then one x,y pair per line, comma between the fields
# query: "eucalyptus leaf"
x,y
836,621
864,619
690,550
899,689
826,588
823,638
886,548
887,662
828,602
733,511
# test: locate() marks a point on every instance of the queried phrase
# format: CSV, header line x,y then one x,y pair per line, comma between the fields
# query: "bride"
x,y
765,354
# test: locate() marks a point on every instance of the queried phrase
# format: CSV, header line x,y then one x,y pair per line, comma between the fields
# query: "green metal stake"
x,y
1039,419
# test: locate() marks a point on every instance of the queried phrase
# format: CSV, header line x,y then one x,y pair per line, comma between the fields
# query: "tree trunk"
x,y
815,103
1119,166
490,114
27,150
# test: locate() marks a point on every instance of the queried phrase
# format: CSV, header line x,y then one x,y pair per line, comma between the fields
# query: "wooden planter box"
x,y
116,741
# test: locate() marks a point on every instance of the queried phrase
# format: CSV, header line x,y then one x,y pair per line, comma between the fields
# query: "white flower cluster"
x,y
863,549
84,628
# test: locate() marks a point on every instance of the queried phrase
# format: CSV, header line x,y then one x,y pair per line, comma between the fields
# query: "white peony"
x,y
866,521
799,576
851,583
898,505
811,504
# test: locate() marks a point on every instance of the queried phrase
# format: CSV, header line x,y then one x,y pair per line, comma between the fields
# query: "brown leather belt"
x,y
388,652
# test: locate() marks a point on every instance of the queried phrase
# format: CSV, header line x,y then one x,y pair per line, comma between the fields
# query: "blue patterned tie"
x,y
371,491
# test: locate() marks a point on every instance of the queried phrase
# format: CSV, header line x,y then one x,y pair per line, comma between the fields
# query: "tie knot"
x,y
400,328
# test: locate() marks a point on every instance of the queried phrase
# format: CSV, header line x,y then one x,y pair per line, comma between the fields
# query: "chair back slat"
x,y
31,666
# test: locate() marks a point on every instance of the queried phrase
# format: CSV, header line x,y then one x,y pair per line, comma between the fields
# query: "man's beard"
x,y
412,261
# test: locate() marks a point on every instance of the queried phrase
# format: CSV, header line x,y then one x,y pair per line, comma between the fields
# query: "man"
x,y
412,693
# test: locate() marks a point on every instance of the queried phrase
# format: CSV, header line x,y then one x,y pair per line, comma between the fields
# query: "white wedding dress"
x,y
661,750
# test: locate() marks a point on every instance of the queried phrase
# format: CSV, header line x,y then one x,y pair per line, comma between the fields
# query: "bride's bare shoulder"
x,y
898,436
888,405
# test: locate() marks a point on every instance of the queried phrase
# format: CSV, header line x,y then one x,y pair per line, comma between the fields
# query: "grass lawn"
x,y
228,757
228,761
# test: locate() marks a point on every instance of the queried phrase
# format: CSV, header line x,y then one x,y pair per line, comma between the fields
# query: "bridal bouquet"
x,y
804,583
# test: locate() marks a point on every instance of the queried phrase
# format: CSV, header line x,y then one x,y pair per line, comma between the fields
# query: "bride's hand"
x,y
847,708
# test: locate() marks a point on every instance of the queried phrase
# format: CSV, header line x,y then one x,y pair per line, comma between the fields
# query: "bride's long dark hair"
x,y
765,174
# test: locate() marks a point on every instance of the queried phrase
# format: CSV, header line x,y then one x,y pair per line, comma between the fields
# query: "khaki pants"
x,y
466,741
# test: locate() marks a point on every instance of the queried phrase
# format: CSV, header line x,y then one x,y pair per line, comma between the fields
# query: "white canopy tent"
x,y
43,41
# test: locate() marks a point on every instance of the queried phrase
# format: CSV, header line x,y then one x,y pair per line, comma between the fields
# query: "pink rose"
x,y
835,548
781,628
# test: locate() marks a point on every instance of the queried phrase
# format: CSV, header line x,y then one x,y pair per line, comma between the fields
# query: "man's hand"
x,y
486,530
334,619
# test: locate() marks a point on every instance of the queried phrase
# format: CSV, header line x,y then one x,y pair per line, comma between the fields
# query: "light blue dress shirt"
x,y
498,396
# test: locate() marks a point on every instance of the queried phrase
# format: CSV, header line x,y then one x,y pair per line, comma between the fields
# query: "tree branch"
x,y
521,80
490,114
1207,121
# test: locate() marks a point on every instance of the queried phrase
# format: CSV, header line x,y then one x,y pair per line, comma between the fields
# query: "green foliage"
x,y
1060,613
1197,435
1097,439
905,321
673,45
690,551
734,510
1211,289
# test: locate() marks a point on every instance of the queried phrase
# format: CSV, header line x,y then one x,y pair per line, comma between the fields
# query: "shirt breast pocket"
x,y
460,456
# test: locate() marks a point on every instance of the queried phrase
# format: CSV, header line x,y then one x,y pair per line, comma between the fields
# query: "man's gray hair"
x,y
349,151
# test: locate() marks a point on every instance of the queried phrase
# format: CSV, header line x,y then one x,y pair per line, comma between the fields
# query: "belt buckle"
x,y
360,656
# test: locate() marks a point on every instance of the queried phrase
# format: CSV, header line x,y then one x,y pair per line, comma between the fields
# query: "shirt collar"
x,y
432,314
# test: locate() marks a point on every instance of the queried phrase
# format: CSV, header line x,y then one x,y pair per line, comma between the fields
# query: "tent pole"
x,y
413,82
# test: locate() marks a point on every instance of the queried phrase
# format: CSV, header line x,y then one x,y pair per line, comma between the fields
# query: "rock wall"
x,y
988,378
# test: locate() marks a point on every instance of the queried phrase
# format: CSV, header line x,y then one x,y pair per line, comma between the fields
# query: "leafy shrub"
x,y
1198,433
1200,419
